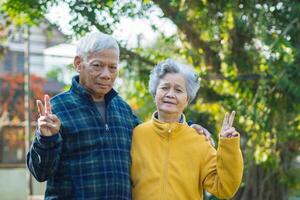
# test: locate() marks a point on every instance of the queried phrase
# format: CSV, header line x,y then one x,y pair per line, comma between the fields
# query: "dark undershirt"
x,y
101,108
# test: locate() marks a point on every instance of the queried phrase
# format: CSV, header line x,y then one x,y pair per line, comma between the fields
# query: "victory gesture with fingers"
x,y
227,129
48,123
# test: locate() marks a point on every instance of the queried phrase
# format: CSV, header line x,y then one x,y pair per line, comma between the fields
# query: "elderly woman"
x,y
169,159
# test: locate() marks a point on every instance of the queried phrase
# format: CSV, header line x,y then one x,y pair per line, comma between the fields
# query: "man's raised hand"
x,y
48,123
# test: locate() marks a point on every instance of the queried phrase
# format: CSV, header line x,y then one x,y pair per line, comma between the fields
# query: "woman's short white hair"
x,y
192,80
95,42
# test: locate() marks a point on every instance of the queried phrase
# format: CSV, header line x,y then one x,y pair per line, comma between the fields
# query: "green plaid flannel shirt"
x,y
87,159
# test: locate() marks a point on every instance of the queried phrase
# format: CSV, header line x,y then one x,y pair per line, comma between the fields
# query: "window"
x,y
13,61
12,145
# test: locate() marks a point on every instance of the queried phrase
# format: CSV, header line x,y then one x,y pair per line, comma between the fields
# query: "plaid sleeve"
x,y
136,120
44,155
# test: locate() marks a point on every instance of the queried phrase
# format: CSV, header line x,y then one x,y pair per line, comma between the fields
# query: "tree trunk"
x,y
262,183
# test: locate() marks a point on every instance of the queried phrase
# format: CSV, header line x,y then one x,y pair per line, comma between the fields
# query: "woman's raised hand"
x,y
227,129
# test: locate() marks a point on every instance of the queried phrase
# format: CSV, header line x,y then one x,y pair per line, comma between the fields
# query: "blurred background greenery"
x,y
247,54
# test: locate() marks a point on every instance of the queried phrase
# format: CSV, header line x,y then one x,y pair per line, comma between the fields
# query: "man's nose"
x,y
105,73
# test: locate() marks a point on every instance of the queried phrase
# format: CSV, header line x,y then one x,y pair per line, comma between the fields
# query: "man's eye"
x,y
178,90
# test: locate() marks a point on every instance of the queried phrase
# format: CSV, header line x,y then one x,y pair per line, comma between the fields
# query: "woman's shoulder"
x,y
142,127
195,142
142,132
193,135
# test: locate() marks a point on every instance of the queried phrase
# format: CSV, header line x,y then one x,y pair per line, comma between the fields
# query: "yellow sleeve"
x,y
222,170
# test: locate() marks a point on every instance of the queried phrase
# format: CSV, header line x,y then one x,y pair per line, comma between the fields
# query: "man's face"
x,y
98,72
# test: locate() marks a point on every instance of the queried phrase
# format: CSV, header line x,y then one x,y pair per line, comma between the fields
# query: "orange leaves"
x,y
14,137
12,95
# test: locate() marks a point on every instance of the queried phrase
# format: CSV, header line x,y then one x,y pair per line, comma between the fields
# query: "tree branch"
x,y
126,54
211,57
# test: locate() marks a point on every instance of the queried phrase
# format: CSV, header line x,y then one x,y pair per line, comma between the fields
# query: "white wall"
x,y
13,185
60,56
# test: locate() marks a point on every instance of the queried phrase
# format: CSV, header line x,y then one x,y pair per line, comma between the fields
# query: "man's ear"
x,y
77,63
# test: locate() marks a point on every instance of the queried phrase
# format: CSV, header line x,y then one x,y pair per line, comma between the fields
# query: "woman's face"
x,y
171,95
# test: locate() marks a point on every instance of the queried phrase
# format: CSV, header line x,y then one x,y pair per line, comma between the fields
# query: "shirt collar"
x,y
168,130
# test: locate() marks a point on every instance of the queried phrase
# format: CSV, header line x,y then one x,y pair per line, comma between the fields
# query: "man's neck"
x,y
98,98
94,96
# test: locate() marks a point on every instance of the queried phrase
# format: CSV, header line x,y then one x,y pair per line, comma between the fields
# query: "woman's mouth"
x,y
169,102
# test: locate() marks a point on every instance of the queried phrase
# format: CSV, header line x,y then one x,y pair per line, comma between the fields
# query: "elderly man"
x,y
82,144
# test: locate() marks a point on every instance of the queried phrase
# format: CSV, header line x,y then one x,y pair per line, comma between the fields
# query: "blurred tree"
x,y
54,74
247,54
12,96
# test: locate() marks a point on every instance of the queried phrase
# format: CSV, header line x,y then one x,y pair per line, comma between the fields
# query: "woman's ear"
x,y
77,63
187,102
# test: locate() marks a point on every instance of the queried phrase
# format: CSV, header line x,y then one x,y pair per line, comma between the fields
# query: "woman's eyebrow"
x,y
164,83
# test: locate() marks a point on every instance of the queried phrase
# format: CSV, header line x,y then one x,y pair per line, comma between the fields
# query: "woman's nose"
x,y
170,94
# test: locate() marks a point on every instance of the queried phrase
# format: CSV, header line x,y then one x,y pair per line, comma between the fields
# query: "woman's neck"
x,y
168,118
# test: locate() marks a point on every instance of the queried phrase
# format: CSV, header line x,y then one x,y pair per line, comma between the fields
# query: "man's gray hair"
x,y
95,42
192,80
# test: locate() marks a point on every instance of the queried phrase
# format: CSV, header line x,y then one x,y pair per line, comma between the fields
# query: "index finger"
x,y
231,118
40,107
47,104
225,121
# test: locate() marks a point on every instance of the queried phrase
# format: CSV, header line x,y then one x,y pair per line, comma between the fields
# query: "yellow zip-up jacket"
x,y
171,161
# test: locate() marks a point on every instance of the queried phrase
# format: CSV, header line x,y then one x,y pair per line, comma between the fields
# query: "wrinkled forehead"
x,y
106,55
176,79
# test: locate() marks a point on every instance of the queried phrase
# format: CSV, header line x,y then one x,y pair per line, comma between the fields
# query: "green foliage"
x,y
247,55
54,74
20,12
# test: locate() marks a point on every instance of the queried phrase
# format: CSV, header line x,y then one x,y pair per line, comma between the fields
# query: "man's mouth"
x,y
103,85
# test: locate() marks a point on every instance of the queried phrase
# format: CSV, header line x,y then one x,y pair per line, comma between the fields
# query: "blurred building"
x,y
44,40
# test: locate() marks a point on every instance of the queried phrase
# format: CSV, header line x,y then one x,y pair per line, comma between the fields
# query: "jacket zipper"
x,y
106,125
103,118
165,175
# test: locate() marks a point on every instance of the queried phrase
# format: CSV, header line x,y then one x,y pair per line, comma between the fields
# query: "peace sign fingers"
x,y
48,123
227,129
46,108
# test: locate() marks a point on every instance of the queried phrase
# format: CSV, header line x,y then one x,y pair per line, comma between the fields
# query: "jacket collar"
x,y
80,90
168,130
